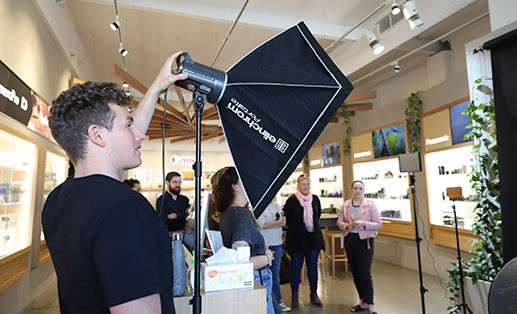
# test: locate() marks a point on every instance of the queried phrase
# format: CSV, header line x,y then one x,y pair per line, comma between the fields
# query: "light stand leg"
x,y
199,99
463,304
417,239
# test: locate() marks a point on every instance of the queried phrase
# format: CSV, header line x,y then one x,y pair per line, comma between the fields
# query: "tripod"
x,y
423,290
463,304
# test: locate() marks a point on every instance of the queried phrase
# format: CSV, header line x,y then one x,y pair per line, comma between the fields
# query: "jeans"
x,y
311,258
275,269
267,282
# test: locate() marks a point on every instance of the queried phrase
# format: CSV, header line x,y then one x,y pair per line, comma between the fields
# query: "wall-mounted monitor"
x,y
459,122
389,141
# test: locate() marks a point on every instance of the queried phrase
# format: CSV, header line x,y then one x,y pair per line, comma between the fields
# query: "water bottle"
x,y
178,265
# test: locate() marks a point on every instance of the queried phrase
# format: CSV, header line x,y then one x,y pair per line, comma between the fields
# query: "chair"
x,y
330,250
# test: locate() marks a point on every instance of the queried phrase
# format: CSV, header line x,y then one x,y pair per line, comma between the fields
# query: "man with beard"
x,y
174,209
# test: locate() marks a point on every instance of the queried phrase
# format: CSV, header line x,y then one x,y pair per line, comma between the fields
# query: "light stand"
x,y
410,163
423,290
454,193
199,101
207,84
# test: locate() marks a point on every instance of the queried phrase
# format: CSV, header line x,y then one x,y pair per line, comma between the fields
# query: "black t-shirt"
x,y
179,207
107,244
298,239
236,225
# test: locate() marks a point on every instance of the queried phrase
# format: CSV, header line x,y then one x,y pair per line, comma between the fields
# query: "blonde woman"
x,y
304,239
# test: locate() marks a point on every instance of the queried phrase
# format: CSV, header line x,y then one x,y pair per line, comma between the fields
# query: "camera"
x,y
278,215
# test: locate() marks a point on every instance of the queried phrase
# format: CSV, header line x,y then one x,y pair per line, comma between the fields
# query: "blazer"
x,y
367,212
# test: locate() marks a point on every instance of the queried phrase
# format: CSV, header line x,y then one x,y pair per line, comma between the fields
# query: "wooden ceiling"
x,y
180,125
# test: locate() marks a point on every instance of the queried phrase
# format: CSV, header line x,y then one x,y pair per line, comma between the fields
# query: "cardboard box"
x,y
226,276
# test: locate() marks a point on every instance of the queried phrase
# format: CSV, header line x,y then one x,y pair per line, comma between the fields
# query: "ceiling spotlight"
x,y
115,25
396,69
395,9
411,14
374,43
123,52
125,85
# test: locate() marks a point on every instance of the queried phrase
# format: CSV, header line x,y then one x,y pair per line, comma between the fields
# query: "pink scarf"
x,y
306,202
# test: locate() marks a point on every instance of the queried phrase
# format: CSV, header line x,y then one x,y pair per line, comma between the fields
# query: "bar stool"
x,y
330,248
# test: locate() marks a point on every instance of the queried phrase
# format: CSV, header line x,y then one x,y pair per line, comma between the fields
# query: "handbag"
x,y
285,269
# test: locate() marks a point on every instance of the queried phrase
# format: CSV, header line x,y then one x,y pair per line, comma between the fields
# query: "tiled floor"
x,y
397,290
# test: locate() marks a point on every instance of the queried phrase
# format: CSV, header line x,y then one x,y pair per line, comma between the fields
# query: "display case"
x,y
56,166
17,161
17,167
290,186
327,170
375,162
386,187
448,161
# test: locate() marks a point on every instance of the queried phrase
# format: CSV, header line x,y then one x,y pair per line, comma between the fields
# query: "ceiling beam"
x,y
359,106
361,96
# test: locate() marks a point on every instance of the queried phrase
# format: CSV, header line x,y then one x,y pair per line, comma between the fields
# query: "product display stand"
x,y
199,99
463,304
423,290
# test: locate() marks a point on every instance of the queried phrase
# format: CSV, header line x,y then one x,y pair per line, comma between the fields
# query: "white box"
x,y
226,276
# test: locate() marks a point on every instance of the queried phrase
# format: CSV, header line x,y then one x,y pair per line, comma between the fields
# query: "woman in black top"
x,y
239,228
304,239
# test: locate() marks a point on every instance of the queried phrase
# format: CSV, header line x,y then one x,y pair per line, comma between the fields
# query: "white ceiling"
x,y
154,29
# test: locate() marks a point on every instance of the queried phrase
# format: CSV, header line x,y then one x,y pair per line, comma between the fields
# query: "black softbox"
x,y
277,101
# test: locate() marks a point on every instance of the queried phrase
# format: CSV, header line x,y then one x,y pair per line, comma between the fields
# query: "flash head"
x,y
201,77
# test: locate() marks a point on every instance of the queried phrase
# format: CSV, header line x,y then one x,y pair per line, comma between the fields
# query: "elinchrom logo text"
x,y
253,122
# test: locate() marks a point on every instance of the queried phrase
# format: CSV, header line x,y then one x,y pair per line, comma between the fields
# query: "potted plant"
x,y
487,250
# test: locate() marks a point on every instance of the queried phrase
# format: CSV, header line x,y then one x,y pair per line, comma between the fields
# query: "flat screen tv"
x,y
331,153
389,141
459,122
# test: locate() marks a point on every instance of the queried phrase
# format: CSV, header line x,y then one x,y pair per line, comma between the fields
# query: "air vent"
x,y
388,22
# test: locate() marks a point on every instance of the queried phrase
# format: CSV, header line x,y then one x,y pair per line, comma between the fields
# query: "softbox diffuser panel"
x,y
278,99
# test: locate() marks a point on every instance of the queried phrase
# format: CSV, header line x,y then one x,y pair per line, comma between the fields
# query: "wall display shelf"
x,y
290,186
385,186
375,162
447,158
17,163
327,170
327,183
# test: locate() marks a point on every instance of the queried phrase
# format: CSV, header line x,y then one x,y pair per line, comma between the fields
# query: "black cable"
x,y
163,152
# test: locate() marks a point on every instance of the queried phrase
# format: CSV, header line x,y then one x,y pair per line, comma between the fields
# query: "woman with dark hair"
x,y
304,239
360,219
239,228
134,184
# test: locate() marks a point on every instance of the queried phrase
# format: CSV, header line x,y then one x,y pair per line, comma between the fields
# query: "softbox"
x,y
277,101
273,105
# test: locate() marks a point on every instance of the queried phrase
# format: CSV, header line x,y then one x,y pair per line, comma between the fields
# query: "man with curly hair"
x,y
111,251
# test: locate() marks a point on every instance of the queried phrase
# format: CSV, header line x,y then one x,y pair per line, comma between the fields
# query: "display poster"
x,y
459,122
19,102
331,153
389,141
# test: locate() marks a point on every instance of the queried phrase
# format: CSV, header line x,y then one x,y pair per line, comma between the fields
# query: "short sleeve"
x,y
125,250
242,227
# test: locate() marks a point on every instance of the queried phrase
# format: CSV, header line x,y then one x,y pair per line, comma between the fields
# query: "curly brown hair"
x,y
79,107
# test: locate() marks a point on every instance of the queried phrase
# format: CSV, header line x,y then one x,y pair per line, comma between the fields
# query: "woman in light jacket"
x,y
360,219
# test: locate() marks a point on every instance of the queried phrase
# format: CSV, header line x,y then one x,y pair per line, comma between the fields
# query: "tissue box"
x,y
225,276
